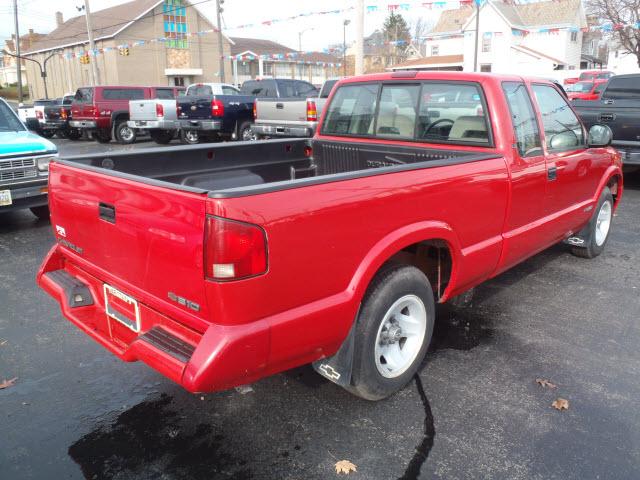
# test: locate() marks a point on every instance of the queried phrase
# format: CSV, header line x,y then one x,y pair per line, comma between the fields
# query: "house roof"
x,y
26,41
430,62
257,46
452,20
106,24
536,53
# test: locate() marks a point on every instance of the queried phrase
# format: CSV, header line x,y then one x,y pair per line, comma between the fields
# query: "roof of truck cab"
x,y
412,75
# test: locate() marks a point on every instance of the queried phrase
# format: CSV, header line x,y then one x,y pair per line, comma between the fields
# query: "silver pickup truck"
x,y
157,116
290,117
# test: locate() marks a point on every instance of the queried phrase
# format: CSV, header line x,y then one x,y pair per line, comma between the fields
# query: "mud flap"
x,y
583,237
337,368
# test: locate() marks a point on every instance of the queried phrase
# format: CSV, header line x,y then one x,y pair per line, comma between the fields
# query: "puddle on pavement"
x,y
151,440
459,328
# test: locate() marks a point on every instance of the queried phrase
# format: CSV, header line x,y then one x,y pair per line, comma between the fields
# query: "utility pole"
x,y
475,52
18,60
95,76
360,38
344,47
220,38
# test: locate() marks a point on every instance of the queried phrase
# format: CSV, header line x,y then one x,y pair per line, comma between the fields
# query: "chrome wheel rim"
x,y
247,134
126,133
191,136
400,336
603,223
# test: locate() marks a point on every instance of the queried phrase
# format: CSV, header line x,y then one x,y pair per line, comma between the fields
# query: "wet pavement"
x,y
474,411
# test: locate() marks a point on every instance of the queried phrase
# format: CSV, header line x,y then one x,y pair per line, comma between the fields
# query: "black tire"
x,y
161,137
190,137
391,284
47,133
592,248
74,134
42,212
102,136
124,134
245,134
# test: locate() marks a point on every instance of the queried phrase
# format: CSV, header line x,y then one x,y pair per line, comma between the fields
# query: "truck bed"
x,y
252,168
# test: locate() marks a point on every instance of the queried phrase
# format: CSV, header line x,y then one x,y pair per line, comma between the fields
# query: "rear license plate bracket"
x,y
121,307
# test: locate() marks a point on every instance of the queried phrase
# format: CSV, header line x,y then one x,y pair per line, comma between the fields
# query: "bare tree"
x,y
624,16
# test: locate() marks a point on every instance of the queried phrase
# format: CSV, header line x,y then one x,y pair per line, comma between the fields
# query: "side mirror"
x,y
599,136
562,140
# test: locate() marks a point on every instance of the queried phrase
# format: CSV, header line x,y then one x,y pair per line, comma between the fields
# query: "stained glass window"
x,y
175,24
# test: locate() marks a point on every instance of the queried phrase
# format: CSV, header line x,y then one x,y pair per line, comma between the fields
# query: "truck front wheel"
x,y
596,233
393,331
190,137
124,133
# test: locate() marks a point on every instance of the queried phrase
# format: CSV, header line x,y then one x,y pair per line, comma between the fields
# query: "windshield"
x,y
9,122
580,87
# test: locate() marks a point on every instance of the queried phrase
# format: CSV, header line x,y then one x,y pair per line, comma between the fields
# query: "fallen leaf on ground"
x,y
7,383
545,383
345,466
560,404
3,343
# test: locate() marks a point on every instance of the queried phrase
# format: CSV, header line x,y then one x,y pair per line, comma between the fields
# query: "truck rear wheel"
x,y
190,137
102,136
393,332
74,134
161,137
124,134
596,233
47,133
245,133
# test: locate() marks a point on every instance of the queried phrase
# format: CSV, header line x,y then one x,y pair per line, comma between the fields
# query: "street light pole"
x,y
95,75
220,38
475,52
359,64
300,37
17,47
344,47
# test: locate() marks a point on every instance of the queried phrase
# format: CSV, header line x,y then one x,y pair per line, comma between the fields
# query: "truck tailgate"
x,y
144,240
142,110
277,111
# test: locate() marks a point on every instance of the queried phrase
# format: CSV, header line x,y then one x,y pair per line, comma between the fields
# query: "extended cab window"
x,y
562,129
397,112
525,125
165,94
84,95
622,87
9,122
305,89
452,113
352,110
123,94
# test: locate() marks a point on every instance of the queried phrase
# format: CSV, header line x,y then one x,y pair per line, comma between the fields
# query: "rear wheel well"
x,y
433,258
613,186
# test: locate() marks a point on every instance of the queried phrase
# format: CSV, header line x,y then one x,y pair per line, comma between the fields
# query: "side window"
x,y
599,88
229,90
306,90
397,112
351,111
623,87
165,94
122,94
523,119
287,88
562,129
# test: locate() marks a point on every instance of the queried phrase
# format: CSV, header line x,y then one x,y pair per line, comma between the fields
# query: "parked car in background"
x,y
619,108
214,112
103,111
590,75
158,116
586,89
290,117
278,88
29,115
222,264
55,119
24,165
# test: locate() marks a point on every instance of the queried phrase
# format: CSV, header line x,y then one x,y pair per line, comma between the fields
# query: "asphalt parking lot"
x,y
474,411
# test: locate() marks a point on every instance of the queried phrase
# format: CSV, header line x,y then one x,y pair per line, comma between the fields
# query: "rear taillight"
x,y
159,110
39,115
217,108
63,114
234,250
255,110
312,111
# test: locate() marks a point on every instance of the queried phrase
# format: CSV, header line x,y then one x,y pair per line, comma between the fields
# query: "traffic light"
x,y
124,51
84,59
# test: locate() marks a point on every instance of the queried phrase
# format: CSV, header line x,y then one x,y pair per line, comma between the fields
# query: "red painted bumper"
x,y
223,356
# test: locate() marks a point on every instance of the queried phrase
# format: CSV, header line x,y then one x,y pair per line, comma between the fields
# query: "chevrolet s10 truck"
x,y
220,264
24,165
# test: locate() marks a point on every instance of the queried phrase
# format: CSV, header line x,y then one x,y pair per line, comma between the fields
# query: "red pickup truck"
x,y
104,110
220,264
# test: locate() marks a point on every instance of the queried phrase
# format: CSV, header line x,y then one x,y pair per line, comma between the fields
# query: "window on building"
x,y
178,81
525,125
562,129
244,68
486,43
175,24
267,69
485,67
574,36
435,50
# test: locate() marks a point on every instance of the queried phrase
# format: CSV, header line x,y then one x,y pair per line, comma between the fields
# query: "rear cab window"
x,y
123,94
165,93
427,111
84,95
264,89
199,90
620,88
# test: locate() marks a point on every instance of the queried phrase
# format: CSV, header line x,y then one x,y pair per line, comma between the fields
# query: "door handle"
x,y
607,117
279,106
107,212
552,173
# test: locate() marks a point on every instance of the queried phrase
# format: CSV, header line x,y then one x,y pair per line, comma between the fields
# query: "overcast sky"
x,y
327,29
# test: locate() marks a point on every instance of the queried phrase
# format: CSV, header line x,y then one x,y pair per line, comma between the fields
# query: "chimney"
x,y
59,19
